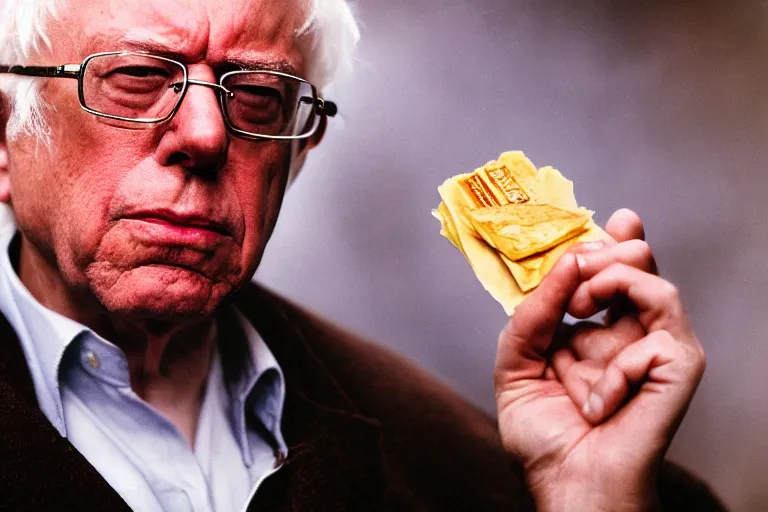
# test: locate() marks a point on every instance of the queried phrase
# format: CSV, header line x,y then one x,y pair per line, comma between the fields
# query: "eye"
x,y
257,94
141,72
253,107
138,79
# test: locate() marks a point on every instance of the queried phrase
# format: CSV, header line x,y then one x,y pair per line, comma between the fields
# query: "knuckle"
x,y
637,246
701,358
499,379
695,360
663,341
644,251
616,269
669,292
690,356
615,375
506,332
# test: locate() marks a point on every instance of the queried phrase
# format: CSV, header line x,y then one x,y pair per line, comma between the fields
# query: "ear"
x,y
5,180
317,137
311,142
303,146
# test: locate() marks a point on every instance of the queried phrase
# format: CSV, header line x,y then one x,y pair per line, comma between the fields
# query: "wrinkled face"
x,y
156,223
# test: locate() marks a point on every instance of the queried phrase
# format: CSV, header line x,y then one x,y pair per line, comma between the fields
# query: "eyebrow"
x,y
153,47
103,42
263,64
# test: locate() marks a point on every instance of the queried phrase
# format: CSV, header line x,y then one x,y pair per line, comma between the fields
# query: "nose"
x,y
197,137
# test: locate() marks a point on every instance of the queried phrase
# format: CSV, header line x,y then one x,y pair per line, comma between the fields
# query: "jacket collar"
x,y
334,457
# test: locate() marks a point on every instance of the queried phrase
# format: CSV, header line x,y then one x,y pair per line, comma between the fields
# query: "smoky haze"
x,y
656,106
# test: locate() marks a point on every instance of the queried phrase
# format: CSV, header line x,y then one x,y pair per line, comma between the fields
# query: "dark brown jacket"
x,y
365,430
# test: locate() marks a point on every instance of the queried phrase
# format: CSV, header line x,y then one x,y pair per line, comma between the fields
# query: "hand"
x,y
590,409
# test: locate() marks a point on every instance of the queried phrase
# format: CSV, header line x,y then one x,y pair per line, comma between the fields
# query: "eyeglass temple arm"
x,y
65,71
329,108
323,107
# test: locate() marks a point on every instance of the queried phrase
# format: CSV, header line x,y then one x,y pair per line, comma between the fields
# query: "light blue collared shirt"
x,y
83,387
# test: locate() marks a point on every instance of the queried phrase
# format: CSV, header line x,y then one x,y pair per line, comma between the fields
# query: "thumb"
x,y
529,332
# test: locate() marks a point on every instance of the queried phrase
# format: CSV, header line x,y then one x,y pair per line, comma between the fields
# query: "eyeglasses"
x,y
142,89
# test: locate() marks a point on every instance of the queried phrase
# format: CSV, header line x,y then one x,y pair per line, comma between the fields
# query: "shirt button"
x,y
93,361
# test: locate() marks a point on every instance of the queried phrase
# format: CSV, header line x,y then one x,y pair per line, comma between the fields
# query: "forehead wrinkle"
x,y
266,32
183,43
263,34
268,19
180,31
168,43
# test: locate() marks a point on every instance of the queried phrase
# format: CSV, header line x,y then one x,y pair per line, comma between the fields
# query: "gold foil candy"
x,y
512,222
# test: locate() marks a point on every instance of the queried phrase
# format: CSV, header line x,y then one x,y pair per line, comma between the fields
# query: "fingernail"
x,y
592,246
593,407
587,247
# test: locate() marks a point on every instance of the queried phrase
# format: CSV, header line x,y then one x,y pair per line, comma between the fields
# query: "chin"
x,y
160,293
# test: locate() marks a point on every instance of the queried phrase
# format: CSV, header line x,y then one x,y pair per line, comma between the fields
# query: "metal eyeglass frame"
x,y
322,107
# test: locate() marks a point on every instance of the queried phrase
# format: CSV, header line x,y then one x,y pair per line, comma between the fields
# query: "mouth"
x,y
179,221
166,228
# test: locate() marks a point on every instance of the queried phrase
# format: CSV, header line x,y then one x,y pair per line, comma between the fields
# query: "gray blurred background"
x,y
660,106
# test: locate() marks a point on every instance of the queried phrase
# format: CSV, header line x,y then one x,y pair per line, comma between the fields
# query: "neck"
x,y
169,372
168,364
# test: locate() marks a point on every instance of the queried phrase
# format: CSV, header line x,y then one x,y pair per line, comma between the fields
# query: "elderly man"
x,y
144,150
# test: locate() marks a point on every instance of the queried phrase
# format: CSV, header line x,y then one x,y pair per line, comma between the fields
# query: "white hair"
x,y
330,27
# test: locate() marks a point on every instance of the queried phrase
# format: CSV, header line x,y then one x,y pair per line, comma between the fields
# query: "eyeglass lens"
x,y
132,86
269,104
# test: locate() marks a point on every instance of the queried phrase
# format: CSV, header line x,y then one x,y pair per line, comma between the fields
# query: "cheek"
x,y
61,208
62,199
85,209
260,196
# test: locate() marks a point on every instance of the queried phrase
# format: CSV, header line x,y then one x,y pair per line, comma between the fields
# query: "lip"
x,y
179,220
169,228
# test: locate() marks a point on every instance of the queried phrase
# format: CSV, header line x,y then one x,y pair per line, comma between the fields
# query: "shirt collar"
x,y
258,392
44,334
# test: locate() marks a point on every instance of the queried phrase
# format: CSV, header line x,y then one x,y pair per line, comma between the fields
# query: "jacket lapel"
x,y
334,457
39,469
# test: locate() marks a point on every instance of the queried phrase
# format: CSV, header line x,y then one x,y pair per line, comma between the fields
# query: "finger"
x,y
583,338
657,300
591,350
625,225
599,344
577,377
549,373
586,247
668,370
562,361
593,257
529,332
606,396
635,253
